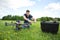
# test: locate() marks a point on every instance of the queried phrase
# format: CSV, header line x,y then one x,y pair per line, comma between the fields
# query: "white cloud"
x,y
53,6
52,9
11,6
14,4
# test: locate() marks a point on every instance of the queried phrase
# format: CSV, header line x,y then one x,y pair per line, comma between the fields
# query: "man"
x,y
28,18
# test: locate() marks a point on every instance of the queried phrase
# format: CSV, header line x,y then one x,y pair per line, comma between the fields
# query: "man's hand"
x,y
29,21
34,20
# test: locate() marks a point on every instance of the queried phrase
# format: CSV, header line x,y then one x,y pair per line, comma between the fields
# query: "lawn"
x,y
34,33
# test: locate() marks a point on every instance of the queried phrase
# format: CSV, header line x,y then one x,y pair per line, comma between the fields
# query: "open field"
x,y
34,33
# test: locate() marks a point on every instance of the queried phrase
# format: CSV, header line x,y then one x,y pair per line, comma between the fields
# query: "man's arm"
x,y
27,19
24,17
33,19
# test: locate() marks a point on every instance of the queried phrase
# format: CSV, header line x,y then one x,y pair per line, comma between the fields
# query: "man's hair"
x,y
27,11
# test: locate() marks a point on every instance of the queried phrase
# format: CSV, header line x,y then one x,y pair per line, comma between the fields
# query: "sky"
x,y
38,8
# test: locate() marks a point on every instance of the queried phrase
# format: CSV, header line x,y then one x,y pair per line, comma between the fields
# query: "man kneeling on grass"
x,y
28,19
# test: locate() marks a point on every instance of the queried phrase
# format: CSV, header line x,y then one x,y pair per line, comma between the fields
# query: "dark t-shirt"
x,y
28,17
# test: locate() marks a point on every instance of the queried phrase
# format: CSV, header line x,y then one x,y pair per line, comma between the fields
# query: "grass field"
x,y
34,33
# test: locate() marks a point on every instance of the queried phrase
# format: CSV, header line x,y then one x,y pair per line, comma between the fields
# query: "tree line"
x,y
10,17
48,19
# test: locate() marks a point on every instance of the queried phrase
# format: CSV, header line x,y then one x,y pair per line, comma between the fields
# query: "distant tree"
x,y
38,19
4,18
44,19
21,18
58,19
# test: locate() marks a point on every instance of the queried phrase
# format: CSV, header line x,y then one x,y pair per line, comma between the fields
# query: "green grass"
x,y
34,33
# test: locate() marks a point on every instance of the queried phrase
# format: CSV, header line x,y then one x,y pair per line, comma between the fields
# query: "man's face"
x,y
28,13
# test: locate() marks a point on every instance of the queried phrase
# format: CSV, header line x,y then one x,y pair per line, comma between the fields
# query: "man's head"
x,y
27,12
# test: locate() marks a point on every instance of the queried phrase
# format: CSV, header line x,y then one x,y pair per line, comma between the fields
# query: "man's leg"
x,y
23,26
26,25
16,26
